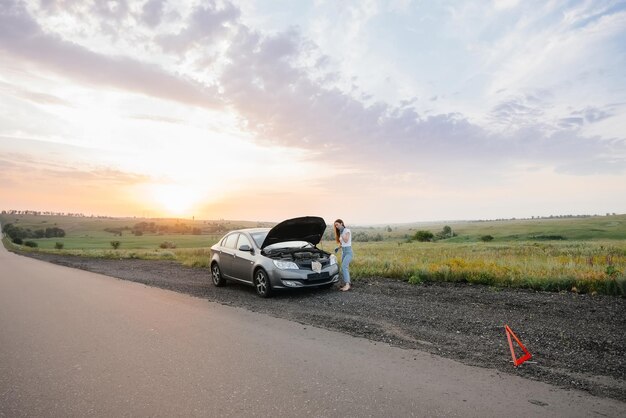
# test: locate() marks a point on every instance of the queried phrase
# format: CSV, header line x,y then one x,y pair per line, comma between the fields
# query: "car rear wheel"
x,y
262,283
216,273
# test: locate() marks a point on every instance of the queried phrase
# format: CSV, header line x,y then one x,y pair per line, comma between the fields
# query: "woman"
x,y
344,239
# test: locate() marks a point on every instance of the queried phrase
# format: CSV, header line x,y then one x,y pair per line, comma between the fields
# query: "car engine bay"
x,y
303,257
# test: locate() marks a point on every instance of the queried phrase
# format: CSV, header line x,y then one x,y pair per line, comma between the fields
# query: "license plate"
x,y
316,266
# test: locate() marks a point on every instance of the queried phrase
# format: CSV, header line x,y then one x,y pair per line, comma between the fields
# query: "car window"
x,y
231,240
243,240
259,237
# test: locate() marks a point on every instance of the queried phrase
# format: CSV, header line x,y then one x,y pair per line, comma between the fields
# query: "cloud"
x,y
30,162
204,24
152,12
553,47
586,116
581,17
30,153
53,6
505,4
279,86
592,166
593,114
25,167
22,38
157,118
284,105
7,165
36,178
112,9
32,96
569,123
517,112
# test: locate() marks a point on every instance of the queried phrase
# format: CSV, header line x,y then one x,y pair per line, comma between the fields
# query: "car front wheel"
x,y
262,284
216,273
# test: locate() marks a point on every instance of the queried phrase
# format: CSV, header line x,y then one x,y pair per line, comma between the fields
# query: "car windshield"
x,y
259,237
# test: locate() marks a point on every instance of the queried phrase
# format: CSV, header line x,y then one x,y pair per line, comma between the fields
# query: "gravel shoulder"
x,y
577,341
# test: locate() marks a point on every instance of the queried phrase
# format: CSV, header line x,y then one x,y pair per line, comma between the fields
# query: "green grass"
x,y
584,267
86,233
100,241
591,258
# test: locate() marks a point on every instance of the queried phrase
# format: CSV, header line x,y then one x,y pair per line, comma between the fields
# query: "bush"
x,y
548,237
116,231
612,272
17,241
54,232
167,255
115,244
423,236
365,237
418,277
31,244
58,245
486,238
15,232
18,232
167,244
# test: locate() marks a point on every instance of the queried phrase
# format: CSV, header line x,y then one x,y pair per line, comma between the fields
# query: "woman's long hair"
x,y
337,229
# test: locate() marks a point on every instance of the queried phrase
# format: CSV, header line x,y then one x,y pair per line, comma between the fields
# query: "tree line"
x,y
17,234
141,228
41,213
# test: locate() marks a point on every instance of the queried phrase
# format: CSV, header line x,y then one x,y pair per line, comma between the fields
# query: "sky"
x,y
372,111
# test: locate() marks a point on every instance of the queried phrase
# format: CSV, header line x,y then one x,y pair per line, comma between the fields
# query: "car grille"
x,y
315,278
306,264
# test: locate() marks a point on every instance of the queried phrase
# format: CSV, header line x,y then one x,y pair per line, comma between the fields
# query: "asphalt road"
x,y
74,343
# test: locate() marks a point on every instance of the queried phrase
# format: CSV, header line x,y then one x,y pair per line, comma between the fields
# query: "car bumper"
x,y
289,279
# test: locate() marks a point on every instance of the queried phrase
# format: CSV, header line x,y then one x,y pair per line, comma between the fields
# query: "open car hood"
x,y
306,228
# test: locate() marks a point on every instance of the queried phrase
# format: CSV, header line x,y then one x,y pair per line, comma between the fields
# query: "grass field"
x,y
590,257
102,241
584,267
596,228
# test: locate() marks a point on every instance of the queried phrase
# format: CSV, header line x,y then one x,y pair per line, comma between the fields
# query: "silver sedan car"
x,y
282,257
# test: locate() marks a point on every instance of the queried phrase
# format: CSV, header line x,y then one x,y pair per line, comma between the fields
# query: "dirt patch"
x,y
577,341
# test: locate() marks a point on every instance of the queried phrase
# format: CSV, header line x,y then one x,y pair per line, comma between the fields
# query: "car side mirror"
x,y
246,248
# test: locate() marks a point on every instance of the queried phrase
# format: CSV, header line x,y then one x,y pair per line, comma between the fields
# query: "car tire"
x,y
216,275
262,283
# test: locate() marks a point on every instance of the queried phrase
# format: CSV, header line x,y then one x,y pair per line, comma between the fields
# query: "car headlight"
x,y
284,265
333,260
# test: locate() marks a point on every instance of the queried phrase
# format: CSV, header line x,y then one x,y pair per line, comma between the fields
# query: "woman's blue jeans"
x,y
346,258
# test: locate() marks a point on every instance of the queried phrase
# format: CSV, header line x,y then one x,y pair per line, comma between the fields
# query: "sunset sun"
x,y
175,199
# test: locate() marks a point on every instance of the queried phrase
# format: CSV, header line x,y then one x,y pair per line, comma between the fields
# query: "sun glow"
x,y
175,199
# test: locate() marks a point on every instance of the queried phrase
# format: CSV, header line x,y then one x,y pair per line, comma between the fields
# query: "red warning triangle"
x,y
526,356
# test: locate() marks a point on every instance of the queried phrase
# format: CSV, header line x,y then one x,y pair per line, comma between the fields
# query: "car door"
x,y
227,254
243,261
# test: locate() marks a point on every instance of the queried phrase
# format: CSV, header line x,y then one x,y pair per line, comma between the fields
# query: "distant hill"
x,y
608,227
